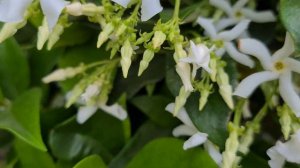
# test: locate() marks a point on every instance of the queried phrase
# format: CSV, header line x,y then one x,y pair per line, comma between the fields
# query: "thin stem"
x,y
238,113
176,10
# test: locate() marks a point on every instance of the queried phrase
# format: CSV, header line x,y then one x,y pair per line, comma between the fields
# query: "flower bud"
x,y
55,35
225,88
179,52
9,29
43,34
214,68
158,39
285,120
147,57
121,29
180,100
62,74
103,36
126,54
231,147
184,71
74,9
203,98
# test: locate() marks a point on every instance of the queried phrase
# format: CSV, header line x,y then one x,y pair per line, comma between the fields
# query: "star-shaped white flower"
x,y
12,11
239,12
226,37
278,66
199,56
196,137
288,151
149,7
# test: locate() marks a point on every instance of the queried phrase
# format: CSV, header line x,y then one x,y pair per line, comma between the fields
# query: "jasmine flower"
x,y
278,66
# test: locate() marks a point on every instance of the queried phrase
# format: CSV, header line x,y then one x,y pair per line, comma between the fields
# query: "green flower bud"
x,y
285,120
43,34
225,88
55,35
147,57
179,52
158,39
203,98
126,54
231,147
9,29
180,100
63,74
103,36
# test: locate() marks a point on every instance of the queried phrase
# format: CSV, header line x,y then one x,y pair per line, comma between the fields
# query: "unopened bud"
x,y
180,100
285,120
62,74
147,58
103,36
55,35
74,9
9,29
214,69
121,29
225,88
158,39
184,71
203,98
126,54
231,147
43,34
179,52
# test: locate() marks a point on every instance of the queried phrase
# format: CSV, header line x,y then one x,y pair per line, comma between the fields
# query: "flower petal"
x,y
225,22
195,140
257,49
249,84
182,114
115,110
208,26
239,4
13,10
52,10
293,64
184,130
259,17
84,113
213,152
235,32
223,5
287,49
277,160
184,71
123,3
288,94
290,150
150,8
237,56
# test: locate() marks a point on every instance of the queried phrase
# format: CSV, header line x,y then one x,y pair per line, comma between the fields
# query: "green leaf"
x,y
290,14
132,84
102,134
23,119
212,119
154,108
169,153
14,69
30,157
253,160
93,161
147,132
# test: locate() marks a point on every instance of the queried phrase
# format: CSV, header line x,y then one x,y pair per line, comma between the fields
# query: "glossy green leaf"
x,y
93,161
290,14
102,134
169,153
212,119
14,69
147,132
23,118
30,157
154,108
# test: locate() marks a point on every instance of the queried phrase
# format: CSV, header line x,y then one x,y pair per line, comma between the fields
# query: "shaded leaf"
x,y
93,161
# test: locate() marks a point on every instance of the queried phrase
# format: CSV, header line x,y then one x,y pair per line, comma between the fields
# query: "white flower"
x,y
196,137
279,66
14,10
149,7
238,12
85,112
184,71
226,37
199,56
288,151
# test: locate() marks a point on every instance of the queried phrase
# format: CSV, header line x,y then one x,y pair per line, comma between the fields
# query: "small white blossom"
x,y
225,37
288,151
199,56
196,137
149,7
279,66
14,10
238,12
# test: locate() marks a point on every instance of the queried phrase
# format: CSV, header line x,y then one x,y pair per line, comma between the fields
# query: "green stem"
x,y
238,113
176,10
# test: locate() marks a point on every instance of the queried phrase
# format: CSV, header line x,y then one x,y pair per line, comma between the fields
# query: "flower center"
x,y
238,14
279,66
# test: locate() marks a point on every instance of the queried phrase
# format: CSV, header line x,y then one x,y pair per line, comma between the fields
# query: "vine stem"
x,y
176,10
